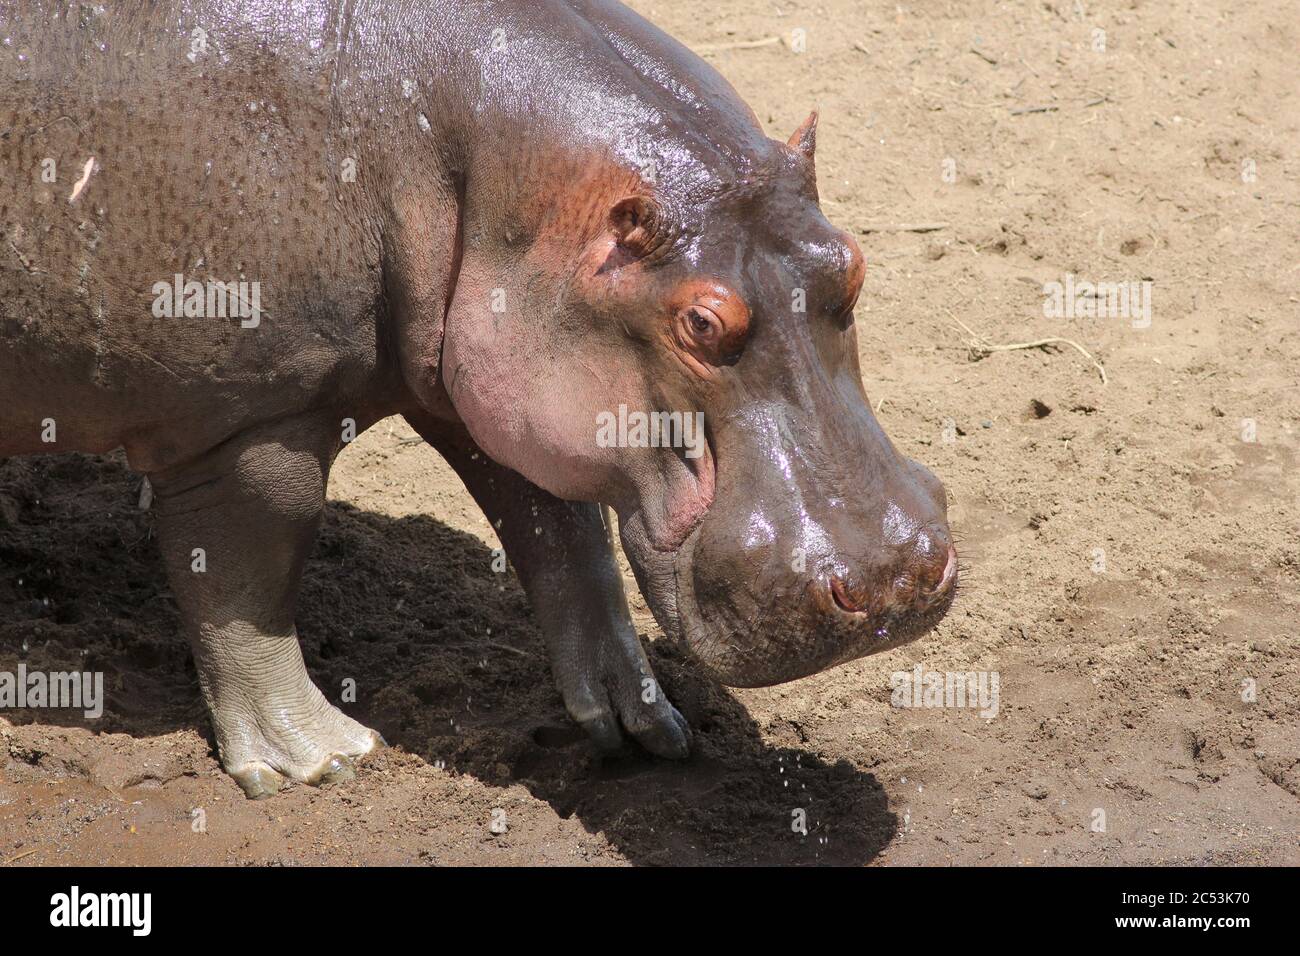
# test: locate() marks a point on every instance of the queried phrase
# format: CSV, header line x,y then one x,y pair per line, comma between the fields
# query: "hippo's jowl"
x,y
503,219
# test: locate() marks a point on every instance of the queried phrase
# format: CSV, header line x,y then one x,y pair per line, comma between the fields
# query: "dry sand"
x,y
1121,689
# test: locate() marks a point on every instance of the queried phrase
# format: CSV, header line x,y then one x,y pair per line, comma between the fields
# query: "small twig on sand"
x,y
15,859
738,45
492,644
979,344
984,56
1022,110
905,227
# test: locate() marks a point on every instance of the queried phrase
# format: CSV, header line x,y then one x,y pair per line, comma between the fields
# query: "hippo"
x,y
237,234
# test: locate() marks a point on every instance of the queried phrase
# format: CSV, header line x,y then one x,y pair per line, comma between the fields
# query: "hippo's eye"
x,y
844,316
709,325
855,272
703,326
703,334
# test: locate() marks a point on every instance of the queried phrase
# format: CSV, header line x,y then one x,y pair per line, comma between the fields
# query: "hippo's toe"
x,y
267,744
669,737
616,700
258,781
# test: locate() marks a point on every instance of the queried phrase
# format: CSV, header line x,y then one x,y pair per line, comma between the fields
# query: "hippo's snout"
x,y
791,584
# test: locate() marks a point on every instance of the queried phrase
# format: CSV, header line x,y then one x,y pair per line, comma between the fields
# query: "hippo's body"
x,y
235,235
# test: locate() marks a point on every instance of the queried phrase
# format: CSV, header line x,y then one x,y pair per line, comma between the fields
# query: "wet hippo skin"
x,y
235,235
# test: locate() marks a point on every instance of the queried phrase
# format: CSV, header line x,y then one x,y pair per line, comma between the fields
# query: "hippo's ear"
x,y
637,224
804,139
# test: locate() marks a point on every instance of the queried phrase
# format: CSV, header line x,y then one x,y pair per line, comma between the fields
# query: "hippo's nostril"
x,y
925,584
945,580
845,598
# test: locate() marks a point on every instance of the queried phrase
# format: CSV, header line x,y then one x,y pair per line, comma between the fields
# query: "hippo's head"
x,y
786,534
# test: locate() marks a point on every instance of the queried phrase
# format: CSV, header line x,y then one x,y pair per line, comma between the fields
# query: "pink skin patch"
x,y
686,503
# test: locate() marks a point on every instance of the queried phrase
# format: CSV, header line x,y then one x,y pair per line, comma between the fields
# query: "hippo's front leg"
x,y
235,528
563,554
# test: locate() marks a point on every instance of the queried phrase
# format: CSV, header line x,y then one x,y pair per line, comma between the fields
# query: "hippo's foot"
x,y
273,741
608,688
250,507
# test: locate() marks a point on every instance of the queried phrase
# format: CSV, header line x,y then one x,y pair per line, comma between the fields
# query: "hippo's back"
x,y
179,254
153,153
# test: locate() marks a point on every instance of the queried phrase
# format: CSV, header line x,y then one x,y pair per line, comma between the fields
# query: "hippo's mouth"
x,y
659,539
686,500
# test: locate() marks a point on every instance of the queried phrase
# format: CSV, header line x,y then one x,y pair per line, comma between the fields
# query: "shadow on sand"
x,y
447,662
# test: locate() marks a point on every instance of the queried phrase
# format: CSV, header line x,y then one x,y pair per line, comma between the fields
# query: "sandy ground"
x,y
1135,557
